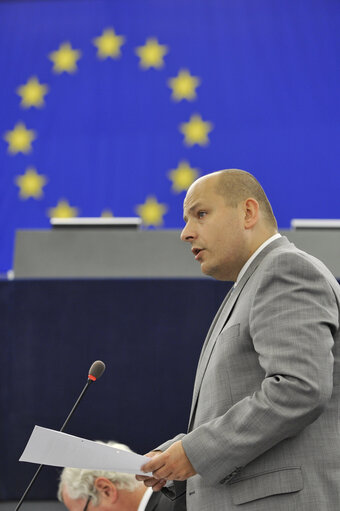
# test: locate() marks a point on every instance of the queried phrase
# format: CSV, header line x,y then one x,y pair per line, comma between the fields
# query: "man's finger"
x,y
148,481
151,454
141,478
162,473
158,485
155,463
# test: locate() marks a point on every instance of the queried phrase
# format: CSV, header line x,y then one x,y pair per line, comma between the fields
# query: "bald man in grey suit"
x,y
264,429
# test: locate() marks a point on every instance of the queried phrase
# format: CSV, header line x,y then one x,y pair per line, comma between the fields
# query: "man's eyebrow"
x,y
195,206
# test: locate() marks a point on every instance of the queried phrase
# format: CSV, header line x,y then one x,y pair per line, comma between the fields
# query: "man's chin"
x,y
206,269
213,272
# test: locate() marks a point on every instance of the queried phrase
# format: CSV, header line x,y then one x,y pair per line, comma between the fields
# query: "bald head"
x,y
237,185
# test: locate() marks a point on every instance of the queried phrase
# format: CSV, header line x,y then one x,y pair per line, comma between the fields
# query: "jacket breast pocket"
x,y
266,484
229,333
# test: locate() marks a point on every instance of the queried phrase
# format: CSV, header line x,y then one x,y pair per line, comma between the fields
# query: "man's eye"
x,y
201,214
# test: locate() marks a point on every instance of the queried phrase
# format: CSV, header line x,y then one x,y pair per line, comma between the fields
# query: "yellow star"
x,y
62,210
151,212
107,213
184,85
65,59
109,44
151,54
196,130
20,139
32,94
183,176
31,184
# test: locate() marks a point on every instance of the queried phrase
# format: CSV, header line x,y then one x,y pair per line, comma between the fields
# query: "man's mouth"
x,y
196,251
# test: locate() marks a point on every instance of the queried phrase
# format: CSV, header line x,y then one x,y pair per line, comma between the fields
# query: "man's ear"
x,y
251,212
107,490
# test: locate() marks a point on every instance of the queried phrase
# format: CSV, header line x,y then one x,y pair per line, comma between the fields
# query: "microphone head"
x,y
96,370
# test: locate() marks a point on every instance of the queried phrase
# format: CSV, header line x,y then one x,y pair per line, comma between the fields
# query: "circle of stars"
x,y
65,60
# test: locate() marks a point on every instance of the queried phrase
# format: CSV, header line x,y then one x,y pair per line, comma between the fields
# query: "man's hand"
x,y
152,482
172,464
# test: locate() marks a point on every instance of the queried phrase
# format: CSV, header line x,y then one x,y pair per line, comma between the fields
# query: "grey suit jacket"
x,y
264,428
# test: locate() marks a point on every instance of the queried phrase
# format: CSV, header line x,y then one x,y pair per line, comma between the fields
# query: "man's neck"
x,y
262,236
144,499
130,500
259,248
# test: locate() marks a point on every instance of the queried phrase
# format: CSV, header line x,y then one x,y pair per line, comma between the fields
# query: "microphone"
x,y
95,372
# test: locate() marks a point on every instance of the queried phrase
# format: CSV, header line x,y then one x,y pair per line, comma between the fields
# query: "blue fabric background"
x,y
109,134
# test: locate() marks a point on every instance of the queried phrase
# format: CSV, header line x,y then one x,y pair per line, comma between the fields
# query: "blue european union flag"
x,y
115,107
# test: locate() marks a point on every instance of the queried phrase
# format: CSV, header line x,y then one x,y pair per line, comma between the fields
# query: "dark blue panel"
x,y
148,332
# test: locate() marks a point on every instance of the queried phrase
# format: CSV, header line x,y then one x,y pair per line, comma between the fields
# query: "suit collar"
x,y
152,503
278,242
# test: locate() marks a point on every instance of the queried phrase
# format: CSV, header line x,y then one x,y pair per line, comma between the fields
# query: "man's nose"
x,y
187,233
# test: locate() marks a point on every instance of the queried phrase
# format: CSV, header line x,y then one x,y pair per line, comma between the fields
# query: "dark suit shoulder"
x,y
158,502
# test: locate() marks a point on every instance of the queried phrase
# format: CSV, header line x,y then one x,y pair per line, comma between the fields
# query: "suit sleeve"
x,y
168,443
292,321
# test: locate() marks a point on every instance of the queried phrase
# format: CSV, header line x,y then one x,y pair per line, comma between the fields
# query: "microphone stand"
x,y
89,381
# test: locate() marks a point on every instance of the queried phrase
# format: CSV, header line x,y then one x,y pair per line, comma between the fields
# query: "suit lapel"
x,y
222,317
213,324
153,501
219,321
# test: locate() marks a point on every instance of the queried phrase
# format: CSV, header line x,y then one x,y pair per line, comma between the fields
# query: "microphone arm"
x,y
95,372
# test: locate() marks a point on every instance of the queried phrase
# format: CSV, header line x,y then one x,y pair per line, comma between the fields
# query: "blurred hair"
x,y
237,185
79,483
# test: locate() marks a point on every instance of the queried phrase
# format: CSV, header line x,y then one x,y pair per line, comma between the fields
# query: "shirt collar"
x,y
252,257
145,500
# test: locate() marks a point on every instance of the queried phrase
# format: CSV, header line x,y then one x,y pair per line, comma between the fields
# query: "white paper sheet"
x,y
49,447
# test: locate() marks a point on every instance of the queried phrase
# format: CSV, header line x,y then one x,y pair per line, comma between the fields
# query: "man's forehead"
x,y
190,201
199,190
189,198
